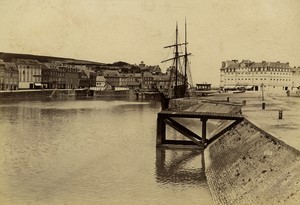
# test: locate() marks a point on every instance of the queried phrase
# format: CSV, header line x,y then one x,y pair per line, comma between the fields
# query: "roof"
x,y
147,74
234,65
100,78
269,64
111,73
133,83
27,62
10,66
161,77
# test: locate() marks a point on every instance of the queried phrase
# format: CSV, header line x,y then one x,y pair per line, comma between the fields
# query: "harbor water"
x,y
92,151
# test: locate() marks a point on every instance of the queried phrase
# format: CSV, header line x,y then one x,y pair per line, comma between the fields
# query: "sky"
x,y
137,30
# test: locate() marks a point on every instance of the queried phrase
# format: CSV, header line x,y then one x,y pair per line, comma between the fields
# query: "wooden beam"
x,y
207,115
183,130
160,130
204,120
179,142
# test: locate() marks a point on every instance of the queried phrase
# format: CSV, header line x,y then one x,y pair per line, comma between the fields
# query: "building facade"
x,y
9,76
255,75
30,73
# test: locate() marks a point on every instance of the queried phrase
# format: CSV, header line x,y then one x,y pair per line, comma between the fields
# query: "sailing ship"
x,y
178,83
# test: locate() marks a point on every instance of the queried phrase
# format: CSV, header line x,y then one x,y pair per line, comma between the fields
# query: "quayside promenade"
x,y
285,129
258,160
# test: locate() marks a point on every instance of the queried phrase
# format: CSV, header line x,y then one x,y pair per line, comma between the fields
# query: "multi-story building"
x,y
296,77
62,77
148,82
12,76
255,75
162,82
9,76
2,75
112,78
84,80
30,73
72,78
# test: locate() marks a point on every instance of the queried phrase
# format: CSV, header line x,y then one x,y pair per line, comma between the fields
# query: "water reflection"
x,y
92,152
180,166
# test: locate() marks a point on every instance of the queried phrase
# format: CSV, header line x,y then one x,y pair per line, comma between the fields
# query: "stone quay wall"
x,y
32,94
247,165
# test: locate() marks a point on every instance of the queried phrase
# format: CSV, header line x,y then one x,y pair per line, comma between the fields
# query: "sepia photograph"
x,y
149,102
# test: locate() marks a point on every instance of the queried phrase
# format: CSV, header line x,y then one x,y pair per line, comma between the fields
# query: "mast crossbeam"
x,y
179,56
179,44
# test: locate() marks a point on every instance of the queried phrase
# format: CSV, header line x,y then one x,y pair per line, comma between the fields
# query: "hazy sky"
x,y
134,30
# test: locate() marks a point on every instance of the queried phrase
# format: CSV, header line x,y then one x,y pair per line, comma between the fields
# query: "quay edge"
x,y
247,165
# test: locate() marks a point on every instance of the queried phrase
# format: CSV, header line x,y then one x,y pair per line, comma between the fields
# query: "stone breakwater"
x,y
247,165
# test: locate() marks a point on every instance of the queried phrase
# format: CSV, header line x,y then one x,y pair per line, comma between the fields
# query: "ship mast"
x,y
185,57
176,62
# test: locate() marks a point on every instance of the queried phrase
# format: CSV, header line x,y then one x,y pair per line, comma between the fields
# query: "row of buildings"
x,y
256,75
32,74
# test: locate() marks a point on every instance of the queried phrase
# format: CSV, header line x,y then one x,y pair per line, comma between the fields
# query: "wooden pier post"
x,y
280,115
204,120
161,130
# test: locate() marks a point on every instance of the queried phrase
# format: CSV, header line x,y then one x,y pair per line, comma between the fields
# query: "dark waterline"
x,y
92,152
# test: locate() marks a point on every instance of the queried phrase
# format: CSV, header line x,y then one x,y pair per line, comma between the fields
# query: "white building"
x,y
30,73
100,83
254,75
296,77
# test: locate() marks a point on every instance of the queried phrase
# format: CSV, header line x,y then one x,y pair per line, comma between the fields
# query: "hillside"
x,y
8,57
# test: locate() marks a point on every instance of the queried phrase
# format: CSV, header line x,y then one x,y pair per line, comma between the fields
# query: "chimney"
x,y
278,61
223,64
287,63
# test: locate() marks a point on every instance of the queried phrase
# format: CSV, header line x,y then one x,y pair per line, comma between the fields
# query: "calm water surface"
x,y
92,152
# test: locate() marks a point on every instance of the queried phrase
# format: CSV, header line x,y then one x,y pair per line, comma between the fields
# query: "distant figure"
x,y
288,93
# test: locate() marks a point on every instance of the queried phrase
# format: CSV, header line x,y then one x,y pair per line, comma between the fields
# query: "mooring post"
x,y
204,120
227,99
263,105
280,115
161,130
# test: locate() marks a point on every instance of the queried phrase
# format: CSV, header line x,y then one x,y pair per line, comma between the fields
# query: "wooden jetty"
x,y
166,117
